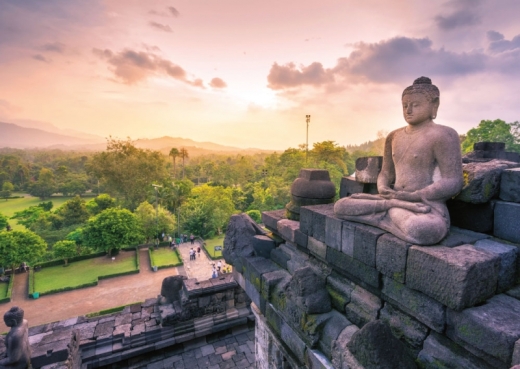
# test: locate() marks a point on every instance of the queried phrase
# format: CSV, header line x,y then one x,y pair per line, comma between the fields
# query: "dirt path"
x,y
199,268
108,293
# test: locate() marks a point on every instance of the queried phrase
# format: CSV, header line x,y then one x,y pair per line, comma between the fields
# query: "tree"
x,y
111,230
152,225
45,186
184,155
29,216
255,215
73,211
65,250
493,131
7,188
17,247
100,203
174,153
127,171
3,222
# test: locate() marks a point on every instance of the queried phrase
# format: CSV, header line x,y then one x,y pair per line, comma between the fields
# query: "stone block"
x,y
475,217
271,218
489,146
317,248
365,241
439,352
391,256
368,168
510,185
363,307
409,330
313,219
279,257
333,229
271,279
339,289
258,268
516,354
263,245
287,228
349,186
330,331
348,232
351,267
458,277
421,307
255,296
286,333
506,221
300,238
492,328
508,261
317,360
339,346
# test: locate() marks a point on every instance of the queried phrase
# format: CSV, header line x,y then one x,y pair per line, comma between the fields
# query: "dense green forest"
x,y
140,193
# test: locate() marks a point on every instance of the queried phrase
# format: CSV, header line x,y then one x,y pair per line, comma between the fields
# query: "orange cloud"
x,y
218,83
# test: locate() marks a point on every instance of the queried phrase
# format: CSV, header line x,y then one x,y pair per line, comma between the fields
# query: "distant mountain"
x,y
14,136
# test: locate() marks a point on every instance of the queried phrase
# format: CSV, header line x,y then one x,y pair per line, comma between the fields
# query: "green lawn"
x,y
210,246
82,272
164,257
3,289
11,206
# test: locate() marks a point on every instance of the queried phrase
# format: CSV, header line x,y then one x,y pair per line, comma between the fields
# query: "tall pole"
x,y
308,120
156,211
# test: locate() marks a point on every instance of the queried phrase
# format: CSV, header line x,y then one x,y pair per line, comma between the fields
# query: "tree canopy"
x,y
152,225
17,247
494,131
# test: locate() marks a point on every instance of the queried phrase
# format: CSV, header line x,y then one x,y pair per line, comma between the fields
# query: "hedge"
x,y
71,260
7,297
111,310
89,284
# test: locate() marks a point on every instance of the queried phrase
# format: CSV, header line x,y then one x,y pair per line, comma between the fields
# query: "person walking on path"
x,y
219,266
192,238
198,251
214,273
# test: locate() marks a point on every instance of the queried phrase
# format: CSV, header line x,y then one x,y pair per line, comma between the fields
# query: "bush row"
x,y
71,260
7,297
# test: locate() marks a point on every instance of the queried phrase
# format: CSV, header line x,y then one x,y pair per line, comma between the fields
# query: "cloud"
x,y
131,66
288,75
162,27
56,47
173,11
41,58
218,83
399,59
499,44
465,13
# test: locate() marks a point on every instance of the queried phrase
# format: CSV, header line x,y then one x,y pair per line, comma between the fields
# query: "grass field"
x,y
210,246
3,289
82,272
11,206
164,257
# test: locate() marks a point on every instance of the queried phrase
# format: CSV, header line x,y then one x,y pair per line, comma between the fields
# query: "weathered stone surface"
x,y
339,346
287,228
508,261
349,186
307,291
363,307
458,277
263,245
333,229
492,328
339,289
423,308
458,237
317,360
482,180
439,352
375,347
300,238
271,279
317,248
238,241
313,219
489,146
330,331
391,256
506,221
368,168
279,257
351,267
476,217
286,333
410,331
271,218
510,185
348,232
259,267
516,354
365,241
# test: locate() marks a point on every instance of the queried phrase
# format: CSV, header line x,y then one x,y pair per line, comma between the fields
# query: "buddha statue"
x,y
17,354
422,168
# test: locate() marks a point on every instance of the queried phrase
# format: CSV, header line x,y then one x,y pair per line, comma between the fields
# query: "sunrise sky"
x,y
246,72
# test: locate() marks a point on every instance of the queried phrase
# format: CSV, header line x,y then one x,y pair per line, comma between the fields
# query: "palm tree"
x,y
174,153
184,155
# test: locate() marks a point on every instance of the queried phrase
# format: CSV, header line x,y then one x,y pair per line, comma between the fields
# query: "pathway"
x,y
107,294
199,268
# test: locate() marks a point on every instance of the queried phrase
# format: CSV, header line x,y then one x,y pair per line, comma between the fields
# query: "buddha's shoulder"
x,y
444,131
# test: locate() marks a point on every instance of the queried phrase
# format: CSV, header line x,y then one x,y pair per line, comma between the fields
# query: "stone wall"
x,y
327,280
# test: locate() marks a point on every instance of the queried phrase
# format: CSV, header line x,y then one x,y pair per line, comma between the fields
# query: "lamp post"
x,y
308,120
156,212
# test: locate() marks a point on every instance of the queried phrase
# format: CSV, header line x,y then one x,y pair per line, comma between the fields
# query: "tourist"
x,y
198,251
214,273
192,238
219,265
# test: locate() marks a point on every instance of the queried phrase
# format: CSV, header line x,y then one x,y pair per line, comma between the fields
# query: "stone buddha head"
x,y
420,101
13,317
